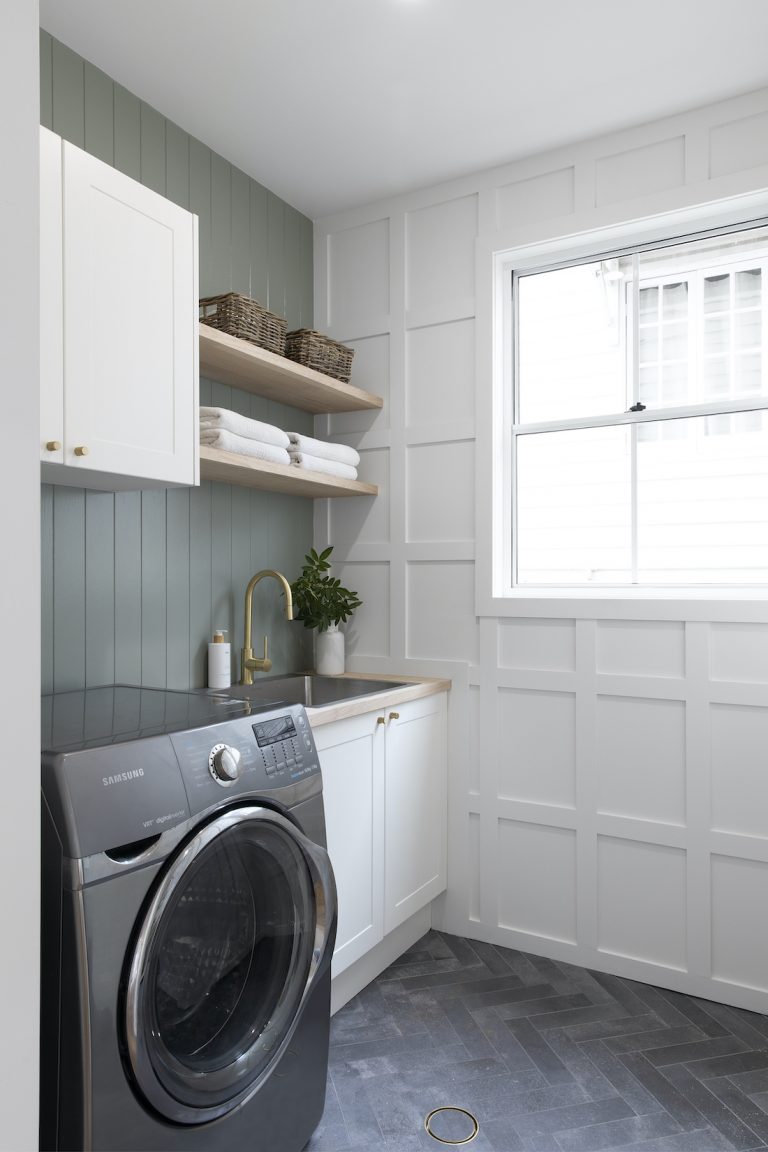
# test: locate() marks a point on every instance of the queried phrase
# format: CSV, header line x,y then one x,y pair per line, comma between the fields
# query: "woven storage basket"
x,y
314,350
240,316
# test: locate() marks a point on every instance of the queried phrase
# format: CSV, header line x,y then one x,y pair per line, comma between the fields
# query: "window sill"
x,y
748,604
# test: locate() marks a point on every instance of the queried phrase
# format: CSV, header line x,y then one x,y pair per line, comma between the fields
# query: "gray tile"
x,y
572,1116
539,1051
623,995
620,1026
502,1136
686,1114
696,1012
701,1050
617,1133
705,1140
748,1110
661,1038
584,1071
628,1087
341,1053
751,1082
459,980
731,1065
467,1030
568,1017
718,1114
538,1005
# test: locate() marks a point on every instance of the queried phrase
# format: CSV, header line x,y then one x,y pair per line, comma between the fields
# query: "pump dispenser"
x,y
219,661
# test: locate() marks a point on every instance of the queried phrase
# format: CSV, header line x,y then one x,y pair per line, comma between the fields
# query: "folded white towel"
x,y
243,426
243,445
324,449
317,464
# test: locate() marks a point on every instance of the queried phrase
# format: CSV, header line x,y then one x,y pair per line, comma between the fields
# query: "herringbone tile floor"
x,y
548,1057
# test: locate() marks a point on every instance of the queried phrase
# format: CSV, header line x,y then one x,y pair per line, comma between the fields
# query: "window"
x,y
639,431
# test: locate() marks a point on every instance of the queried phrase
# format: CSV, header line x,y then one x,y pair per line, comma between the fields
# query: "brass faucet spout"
x,y
248,663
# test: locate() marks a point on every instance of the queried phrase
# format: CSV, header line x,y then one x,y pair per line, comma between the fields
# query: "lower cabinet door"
x,y
415,807
352,760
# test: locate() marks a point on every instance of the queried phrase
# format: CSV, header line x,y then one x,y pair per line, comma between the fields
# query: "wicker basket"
x,y
240,316
314,350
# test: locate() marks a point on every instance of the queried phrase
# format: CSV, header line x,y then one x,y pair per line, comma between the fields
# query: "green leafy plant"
x,y
319,600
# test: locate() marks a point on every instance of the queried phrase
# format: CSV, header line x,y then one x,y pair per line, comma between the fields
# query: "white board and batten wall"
x,y
609,760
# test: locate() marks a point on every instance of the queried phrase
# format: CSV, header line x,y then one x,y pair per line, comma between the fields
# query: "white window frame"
x,y
496,259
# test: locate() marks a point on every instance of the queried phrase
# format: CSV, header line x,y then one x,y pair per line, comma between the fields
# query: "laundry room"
x,y
386,527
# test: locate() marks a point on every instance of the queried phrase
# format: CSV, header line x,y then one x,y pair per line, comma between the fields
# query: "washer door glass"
x,y
226,962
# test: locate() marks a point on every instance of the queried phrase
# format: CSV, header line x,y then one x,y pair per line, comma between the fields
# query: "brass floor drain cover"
x,y
446,1124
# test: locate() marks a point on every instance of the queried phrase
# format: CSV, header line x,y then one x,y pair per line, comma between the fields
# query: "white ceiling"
x,y
335,103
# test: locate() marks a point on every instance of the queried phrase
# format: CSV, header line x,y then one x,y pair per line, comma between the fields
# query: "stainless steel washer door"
x,y
228,949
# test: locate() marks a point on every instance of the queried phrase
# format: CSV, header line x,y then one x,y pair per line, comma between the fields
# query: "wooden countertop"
x,y
411,688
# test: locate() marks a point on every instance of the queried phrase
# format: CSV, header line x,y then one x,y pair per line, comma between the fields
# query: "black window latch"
x,y
637,407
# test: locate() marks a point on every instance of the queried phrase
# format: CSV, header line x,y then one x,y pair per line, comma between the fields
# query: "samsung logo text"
x,y
122,776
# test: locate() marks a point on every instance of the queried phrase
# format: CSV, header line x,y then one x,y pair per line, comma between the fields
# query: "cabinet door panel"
x,y
51,319
129,325
351,757
415,814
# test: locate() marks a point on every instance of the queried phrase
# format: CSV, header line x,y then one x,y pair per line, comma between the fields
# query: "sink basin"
x,y
311,691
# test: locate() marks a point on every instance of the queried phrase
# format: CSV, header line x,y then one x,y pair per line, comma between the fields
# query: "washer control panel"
x,y
285,743
264,751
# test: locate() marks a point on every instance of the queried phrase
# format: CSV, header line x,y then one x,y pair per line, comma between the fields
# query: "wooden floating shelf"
x,y
254,369
249,472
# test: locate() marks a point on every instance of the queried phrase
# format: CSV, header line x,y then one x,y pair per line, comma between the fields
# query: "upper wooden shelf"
x,y
249,472
246,366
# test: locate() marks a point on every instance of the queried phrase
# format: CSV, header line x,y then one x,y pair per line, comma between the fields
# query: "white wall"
x,y
609,789
19,576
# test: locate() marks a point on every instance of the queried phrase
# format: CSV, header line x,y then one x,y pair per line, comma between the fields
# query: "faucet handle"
x,y
265,663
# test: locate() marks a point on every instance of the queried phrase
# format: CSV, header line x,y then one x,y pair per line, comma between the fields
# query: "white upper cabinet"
x,y
119,357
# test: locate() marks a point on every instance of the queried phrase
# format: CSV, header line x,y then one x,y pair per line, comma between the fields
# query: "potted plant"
x,y
320,602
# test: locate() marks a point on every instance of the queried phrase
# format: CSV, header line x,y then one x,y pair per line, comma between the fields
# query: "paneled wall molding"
x,y
133,583
608,793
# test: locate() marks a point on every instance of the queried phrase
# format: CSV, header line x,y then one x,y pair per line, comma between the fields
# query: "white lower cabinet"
x,y
384,785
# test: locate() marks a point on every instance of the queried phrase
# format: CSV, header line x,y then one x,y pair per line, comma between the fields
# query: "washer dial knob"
x,y
224,764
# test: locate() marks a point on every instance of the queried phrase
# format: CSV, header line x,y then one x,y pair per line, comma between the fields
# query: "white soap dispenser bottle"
x,y
219,661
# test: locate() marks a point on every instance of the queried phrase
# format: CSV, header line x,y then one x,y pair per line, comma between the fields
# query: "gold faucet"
x,y
248,663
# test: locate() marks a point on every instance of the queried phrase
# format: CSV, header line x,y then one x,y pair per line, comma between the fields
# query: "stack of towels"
x,y
231,432
322,456
220,428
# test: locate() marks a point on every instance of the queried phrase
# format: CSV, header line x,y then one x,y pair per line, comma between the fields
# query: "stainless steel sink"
x,y
311,691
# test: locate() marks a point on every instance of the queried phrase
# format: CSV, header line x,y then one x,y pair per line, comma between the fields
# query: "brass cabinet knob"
x,y
394,715
81,450
53,445
380,720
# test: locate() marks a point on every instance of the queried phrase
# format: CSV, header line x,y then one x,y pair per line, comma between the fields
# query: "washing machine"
x,y
189,916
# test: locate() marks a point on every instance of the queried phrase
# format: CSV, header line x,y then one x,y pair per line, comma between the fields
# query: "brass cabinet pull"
x,y
394,715
53,445
380,720
81,450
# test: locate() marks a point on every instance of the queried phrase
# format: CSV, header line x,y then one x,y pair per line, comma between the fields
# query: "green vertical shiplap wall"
x,y
133,583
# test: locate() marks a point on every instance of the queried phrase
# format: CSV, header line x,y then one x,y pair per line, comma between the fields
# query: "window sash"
x,y
720,406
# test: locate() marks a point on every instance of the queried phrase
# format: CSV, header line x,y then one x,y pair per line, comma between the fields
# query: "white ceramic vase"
x,y
329,651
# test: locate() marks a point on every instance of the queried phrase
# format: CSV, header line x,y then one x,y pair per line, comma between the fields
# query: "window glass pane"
x,y
717,293
571,342
573,507
748,373
749,329
675,298
703,502
749,288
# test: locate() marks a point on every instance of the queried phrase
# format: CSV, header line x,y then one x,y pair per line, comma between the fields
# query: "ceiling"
x,y
336,103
